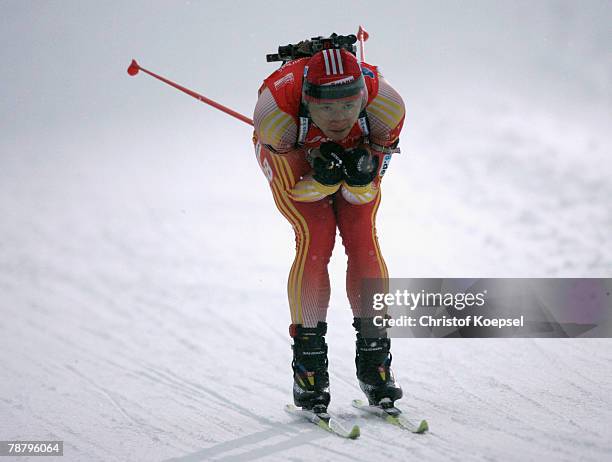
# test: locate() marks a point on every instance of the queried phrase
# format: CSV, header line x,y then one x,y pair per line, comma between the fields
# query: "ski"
x,y
325,421
393,416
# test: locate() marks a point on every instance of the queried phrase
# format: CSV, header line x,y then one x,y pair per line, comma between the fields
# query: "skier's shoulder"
x,y
386,113
277,108
370,76
285,84
290,67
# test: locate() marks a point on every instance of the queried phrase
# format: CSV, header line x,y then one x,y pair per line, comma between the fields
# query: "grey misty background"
x,y
143,264
515,95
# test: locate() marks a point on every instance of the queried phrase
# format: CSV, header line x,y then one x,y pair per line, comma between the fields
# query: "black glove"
x,y
328,165
359,167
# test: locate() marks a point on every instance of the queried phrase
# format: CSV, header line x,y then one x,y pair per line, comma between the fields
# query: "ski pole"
x,y
135,67
363,36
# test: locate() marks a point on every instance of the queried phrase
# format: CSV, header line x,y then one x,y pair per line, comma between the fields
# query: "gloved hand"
x,y
327,164
359,167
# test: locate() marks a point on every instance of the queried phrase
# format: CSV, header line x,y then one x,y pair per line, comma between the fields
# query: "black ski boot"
x,y
310,377
373,361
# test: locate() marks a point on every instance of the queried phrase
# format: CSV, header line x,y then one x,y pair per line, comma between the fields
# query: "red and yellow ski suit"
x,y
315,210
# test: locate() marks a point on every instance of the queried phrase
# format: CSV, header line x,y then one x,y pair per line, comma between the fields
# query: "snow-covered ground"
x,y
143,264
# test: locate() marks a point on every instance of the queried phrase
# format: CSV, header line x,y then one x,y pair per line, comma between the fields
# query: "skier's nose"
x,y
339,115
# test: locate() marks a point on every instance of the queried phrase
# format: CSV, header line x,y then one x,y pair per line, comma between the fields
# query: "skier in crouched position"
x,y
325,128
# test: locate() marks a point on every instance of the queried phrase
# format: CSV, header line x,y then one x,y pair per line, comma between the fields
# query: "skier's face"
x,y
335,118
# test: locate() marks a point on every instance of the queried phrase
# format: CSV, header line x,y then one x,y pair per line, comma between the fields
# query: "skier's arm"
x,y
275,129
386,116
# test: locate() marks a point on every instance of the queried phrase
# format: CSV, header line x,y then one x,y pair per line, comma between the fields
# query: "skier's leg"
x,y
314,225
357,224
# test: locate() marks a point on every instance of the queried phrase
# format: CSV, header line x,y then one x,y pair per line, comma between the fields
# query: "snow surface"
x,y
143,264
